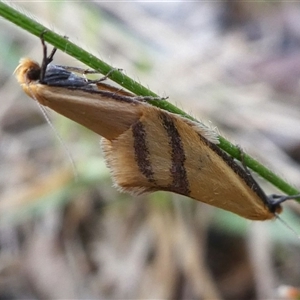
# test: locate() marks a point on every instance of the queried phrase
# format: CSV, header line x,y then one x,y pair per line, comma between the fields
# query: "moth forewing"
x,y
146,148
201,173
94,111
92,108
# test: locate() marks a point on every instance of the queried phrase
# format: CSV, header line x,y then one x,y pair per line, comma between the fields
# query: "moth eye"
x,y
33,74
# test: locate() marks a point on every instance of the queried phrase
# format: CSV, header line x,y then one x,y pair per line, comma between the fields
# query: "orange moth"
x,y
146,148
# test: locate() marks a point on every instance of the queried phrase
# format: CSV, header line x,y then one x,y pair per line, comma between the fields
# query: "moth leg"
x,y
150,98
46,59
84,72
87,71
77,70
102,78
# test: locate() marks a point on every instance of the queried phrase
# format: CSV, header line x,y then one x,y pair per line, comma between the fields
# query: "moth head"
x,y
27,71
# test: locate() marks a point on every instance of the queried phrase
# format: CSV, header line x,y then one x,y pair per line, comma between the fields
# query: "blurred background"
x,y
232,64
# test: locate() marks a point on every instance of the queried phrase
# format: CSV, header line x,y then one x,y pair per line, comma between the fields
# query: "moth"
x,y
148,149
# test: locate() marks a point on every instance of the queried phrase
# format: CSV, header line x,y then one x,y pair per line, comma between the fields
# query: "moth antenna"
x,y
60,139
287,225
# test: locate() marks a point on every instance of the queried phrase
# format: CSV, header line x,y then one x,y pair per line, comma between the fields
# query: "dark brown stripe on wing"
x,y
248,179
180,182
142,155
119,96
